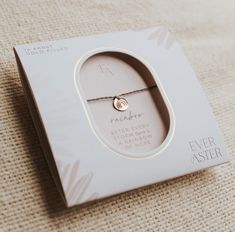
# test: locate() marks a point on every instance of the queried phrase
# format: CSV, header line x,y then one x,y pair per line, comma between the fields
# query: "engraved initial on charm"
x,y
120,103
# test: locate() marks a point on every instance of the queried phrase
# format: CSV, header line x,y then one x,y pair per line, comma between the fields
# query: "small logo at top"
x,y
104,69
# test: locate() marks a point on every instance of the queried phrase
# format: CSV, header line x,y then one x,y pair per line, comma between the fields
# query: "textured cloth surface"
x,y
29,200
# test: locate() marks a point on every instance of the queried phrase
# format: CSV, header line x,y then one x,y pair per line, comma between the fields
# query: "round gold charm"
x,y
120,103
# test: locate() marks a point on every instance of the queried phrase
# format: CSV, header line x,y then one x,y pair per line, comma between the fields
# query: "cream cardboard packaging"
x,y
117,111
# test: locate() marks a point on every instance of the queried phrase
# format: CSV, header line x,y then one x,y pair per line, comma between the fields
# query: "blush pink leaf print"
x,y
75,188
163,37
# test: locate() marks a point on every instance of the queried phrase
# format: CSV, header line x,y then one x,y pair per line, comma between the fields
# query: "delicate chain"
x,y
123,94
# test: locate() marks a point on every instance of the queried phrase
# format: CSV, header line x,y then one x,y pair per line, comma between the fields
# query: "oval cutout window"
x,y
124,103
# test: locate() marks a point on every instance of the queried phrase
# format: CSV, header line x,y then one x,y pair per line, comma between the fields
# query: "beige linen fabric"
x,y
29,200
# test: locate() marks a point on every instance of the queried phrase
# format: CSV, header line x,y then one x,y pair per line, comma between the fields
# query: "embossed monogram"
x,y
105,69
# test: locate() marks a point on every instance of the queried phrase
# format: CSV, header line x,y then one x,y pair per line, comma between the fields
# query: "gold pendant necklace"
x,y
119,102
